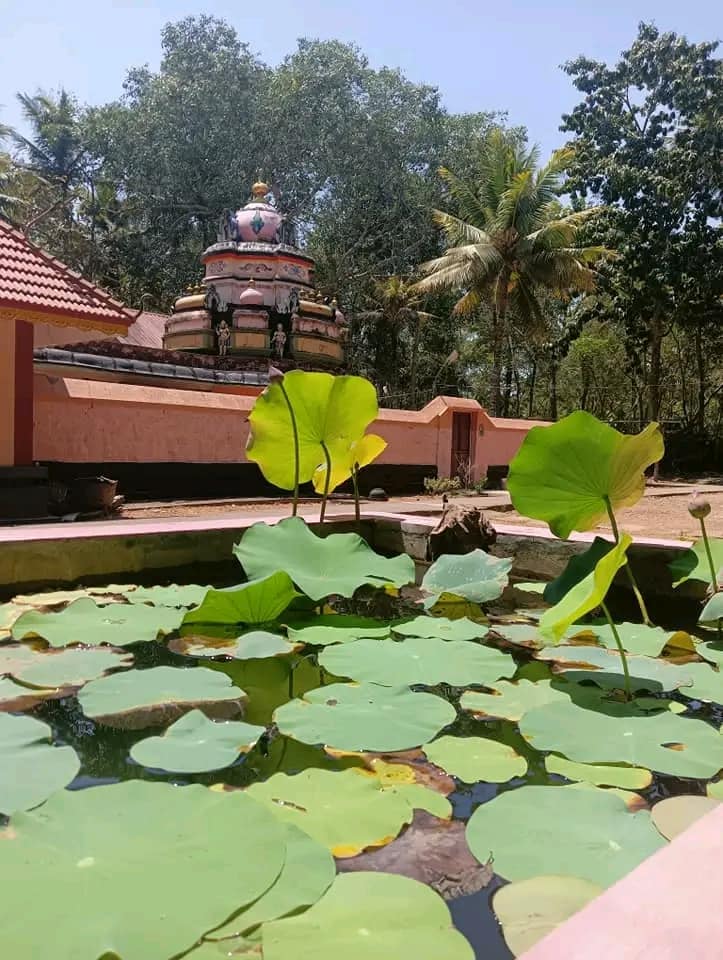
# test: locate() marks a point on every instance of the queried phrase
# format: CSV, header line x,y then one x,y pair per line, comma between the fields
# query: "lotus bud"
x,y
275,375
698,506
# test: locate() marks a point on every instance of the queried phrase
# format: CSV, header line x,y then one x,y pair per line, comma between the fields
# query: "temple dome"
x,y
258,221
251,297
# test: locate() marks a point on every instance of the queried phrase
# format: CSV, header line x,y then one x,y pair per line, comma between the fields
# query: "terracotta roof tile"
x,y
33,281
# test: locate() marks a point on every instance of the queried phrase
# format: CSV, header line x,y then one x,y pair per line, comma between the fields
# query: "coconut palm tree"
x,y
509,241
54,151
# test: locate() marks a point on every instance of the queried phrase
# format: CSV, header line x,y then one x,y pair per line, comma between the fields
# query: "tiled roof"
x,y
34,284
146,330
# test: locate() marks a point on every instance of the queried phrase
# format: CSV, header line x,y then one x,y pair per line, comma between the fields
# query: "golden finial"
x,y
259,190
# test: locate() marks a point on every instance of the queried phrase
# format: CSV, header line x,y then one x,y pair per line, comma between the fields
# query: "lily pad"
x,y
476,759
601,775
674,815
366,916
307,873
195,744
513,700
98,858
587,833
9,613
525,635
530,909
70,667
344,811
84,621
364,717
475,576
339,563
566,473
255,645
442,628
14,698
136,699
578,567
636,638
588,594
258,601
323,635
694,565
417,660
604,668
712,612
707,683
663,741
30,768
188,595
715,790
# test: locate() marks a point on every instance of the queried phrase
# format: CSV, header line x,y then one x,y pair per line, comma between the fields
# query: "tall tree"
x,y
508,240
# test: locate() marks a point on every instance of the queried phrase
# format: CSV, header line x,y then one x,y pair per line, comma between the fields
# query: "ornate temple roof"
x,y
258,220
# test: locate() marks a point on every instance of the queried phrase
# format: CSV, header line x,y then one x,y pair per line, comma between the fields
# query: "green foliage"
x,y
31,769
693,564
440,485
475,576
472,759
258,601
70,667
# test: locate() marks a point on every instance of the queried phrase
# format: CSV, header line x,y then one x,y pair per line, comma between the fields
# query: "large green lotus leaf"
x,y
674,815
664,742
339,563
15,698
530,909
520,634
308,872
9,613
331,411
195,744
345,810
475,759
636,638
694,565
715,790
255,645
587,833
136,699
369,916
258,601
711,650
604,668
475,576
588,594
322,635
84,621
578,567
513,700
417,660
442,628
564,474
345,457
713,610
364,716
134,870
707,683
70,667
188,595
600,775
30,768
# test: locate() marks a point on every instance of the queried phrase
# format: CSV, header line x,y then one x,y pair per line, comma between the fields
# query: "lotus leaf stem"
x,y
621,651
295,432
322,514
631,577
355,481
708,553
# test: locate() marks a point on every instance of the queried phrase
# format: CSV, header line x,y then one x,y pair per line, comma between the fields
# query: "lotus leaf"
x,y
715,790
442,628
520,634
367,916
195,744
663,742
329,411
364,717
9,613
588,594
565,474
578,567
14,698
587,833
347,456
713,610
475,576
420,798
254,645
307,873
269,682
513,700
417,660
530,909
600,775
473,759
707,683
342,810
323,635
136,699
603,667
674,815
693,564
30,768
339,563
97,859
636,638
188,595
84,621
70,667
711,650
258,601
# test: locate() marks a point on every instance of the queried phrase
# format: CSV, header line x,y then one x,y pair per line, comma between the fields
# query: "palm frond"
x,y
458,230
467,201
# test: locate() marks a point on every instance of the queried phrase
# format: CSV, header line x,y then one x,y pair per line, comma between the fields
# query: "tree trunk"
x,y
553,388
700,366
533,378
414,363
507,396
499,318
656,349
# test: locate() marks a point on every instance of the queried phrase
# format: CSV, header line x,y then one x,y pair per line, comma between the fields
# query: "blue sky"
x,y
481,55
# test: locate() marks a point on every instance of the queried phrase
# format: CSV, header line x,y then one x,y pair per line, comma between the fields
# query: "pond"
x,y
185,766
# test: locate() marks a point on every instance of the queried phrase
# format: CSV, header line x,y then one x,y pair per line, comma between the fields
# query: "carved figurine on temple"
x,y
278,341
223,333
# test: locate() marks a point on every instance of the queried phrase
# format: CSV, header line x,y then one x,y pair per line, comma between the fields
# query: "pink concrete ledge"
x,y
669,908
